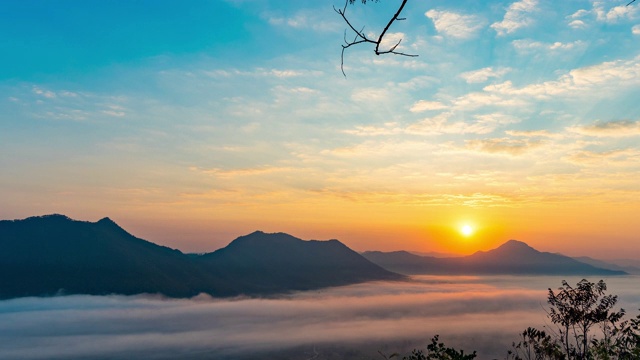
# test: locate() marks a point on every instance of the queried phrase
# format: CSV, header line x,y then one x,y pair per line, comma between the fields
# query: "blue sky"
x,y
192,123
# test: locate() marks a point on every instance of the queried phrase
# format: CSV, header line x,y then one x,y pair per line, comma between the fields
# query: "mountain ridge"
x,y
51,254
513,257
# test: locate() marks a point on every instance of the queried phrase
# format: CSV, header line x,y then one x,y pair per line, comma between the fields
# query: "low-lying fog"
x,y
481,313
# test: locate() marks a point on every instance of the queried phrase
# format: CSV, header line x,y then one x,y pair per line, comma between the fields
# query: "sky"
x,y
469,313
193,123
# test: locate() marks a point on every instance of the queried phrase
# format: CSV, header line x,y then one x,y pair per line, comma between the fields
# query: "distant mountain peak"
x,y
516,244
107,221
50,216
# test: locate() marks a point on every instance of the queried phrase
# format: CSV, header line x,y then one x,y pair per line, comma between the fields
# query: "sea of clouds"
x,y
481,313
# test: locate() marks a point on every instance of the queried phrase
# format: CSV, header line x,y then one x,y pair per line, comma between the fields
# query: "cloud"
x,y
222,173
619,157
370,95
615,14
440,124
45,93
392,39
502,145
455,25
616,128
484,74
525,45
577,24
424,105
368,130
516,17
257,72
635,30
612,74
533,133
304,20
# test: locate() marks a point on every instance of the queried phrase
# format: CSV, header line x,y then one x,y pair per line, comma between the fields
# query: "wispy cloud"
x,y
304,20
614,14
618,157
533,133
616,128
502,145
608,74
527,46
425,105
455,25
484,74
516,17
441,124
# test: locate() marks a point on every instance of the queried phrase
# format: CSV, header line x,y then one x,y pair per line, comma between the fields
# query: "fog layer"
x,y
485,314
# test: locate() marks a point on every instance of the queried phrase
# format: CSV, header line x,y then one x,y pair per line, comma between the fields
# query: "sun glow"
x,y
466,230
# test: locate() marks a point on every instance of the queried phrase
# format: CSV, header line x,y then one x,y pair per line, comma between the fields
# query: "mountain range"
x,y
513,258
53,254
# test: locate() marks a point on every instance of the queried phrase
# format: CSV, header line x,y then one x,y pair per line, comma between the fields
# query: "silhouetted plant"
x,y
535,345
574,311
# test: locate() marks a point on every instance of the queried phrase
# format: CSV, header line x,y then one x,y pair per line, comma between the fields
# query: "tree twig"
x,y
360,37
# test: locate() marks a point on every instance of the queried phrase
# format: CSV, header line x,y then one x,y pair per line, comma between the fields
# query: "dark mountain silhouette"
x,y
608,265
512,258
54,254
277,262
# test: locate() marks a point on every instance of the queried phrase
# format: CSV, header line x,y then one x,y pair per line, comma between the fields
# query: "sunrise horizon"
x,y
201,158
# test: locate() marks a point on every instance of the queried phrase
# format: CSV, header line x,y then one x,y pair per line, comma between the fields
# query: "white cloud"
x,y
516,17
579,14
614,14
392,39
577,24
368,130
369,94
45,93
303,20
482,75
635,30
455,25
526,45
424,105
614,74
440,124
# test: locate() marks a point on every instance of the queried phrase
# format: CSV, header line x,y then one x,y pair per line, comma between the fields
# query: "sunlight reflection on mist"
x,y
482,313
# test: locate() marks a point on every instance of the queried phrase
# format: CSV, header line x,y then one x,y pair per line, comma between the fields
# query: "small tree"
x,y
575,311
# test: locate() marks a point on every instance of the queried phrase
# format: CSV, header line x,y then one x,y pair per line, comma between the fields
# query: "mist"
x,y
475,313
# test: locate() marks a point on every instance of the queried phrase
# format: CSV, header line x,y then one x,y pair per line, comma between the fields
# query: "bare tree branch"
x,y
360,37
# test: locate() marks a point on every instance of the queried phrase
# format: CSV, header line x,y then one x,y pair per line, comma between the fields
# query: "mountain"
x,y
53,254
609,265
512,258
277,262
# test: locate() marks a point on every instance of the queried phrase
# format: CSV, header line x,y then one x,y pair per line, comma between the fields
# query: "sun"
x,y
466,230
